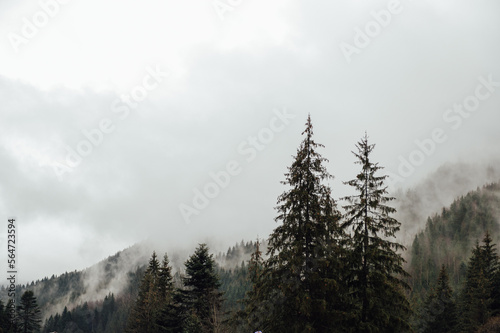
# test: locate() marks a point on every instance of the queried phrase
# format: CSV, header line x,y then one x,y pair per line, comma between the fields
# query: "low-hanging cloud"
x,y
226,79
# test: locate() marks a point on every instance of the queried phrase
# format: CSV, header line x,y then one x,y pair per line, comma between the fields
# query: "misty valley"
x,y
368,262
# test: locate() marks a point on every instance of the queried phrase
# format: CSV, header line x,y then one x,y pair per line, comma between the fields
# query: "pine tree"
x,y
477,300
255,266
440,310
492,273
173,314
170,317
304,250
416,264
203,298
28,313
108,308
154,265
11,317
49,325
165,280
251,318
144,315
490,257
376,270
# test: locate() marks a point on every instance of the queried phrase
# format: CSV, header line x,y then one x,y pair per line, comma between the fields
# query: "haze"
x,y
157,98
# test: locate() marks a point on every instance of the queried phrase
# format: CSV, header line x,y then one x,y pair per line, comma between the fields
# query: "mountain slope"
x,y
116,274
449,237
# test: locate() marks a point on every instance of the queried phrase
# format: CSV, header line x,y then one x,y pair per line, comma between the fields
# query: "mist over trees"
x,y
454,267
323,272
328,266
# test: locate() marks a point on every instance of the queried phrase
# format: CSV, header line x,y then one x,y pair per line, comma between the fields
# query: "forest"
x,y
328,266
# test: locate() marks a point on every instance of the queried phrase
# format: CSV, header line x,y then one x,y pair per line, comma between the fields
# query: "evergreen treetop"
x,y
376,272
28,313
305,252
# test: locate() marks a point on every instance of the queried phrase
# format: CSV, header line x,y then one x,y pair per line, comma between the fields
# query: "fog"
x,y
125,121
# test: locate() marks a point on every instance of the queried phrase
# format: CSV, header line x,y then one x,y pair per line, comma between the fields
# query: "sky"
x,y
175,121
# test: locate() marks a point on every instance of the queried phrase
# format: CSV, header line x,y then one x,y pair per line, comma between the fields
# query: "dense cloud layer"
x,y
166,99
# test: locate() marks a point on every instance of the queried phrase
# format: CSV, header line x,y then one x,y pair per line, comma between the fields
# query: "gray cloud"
x,y
129,188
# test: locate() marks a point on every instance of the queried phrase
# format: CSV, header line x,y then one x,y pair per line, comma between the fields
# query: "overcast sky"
x,y
115,113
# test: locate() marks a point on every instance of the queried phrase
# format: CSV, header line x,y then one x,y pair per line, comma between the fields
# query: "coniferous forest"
x,y
330,265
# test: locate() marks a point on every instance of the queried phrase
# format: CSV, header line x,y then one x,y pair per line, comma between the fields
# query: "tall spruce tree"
x,y
154,294
169,318
143,315
28,313
440,310
203,298
376,272
303,275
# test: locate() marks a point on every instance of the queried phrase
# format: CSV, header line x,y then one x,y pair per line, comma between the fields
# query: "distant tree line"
x,y
449,236
106,316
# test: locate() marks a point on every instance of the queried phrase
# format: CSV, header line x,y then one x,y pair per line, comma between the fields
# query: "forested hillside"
x,y
99,298
454,266
449,237
116,274
325,267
